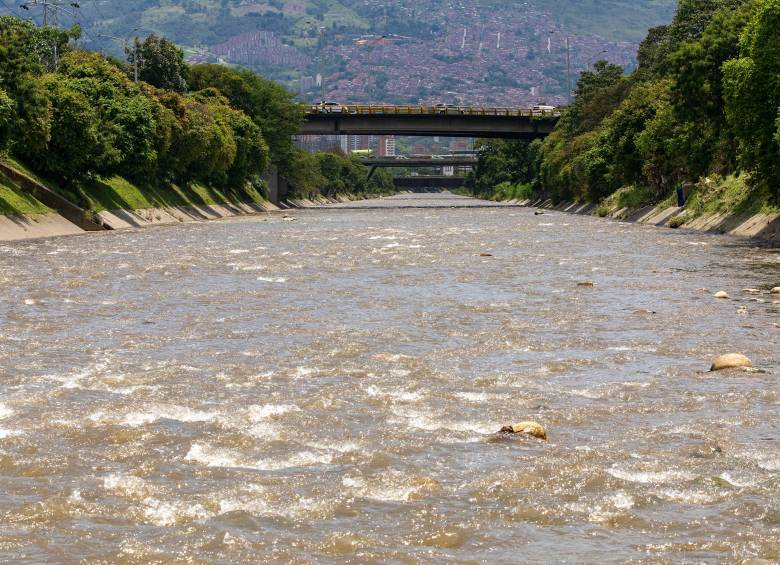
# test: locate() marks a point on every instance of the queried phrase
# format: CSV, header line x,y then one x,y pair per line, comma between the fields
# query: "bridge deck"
x,y
429,121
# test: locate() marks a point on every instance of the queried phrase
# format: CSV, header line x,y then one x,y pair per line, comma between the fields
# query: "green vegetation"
x,y
14,201
702,109
80,123
332,173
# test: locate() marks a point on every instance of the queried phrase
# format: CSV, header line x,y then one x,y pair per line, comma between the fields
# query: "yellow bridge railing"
x,y
330,108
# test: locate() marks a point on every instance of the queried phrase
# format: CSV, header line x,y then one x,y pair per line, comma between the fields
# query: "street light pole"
x,y
568,63
322,64
568,68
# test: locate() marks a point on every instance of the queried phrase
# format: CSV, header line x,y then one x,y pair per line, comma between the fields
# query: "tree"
x,y
27,51
752,94
160,63
269,105
130,118
77,144
7,118
250,157
597,93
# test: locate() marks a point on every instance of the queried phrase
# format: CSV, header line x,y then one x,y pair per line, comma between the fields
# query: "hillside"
x,y
413,51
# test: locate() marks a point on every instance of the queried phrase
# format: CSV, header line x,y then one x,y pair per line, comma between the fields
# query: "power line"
x,y
9,8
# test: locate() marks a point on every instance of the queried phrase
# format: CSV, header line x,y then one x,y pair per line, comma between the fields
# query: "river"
x,y
326,387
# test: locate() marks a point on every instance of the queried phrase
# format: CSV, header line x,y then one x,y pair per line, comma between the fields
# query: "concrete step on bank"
x,y
124,219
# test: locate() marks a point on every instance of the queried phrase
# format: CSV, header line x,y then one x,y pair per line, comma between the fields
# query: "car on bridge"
x,y
446,109
330,107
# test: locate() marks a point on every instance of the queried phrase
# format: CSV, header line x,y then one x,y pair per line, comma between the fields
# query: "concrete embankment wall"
x,y
13,228
125,219
33,226
763,227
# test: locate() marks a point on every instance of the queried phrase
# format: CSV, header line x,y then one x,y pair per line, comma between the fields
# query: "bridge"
x,y
417,163
442,120
428,183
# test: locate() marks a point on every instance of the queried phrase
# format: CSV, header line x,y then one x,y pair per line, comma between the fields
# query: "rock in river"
x,y
527,428
775,290
721,294
730,361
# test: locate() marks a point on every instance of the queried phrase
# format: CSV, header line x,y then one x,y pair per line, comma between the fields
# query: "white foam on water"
x,y
393,393
210,457
153,414
338,447
263,412
419,419
305,371
238,251
127,485
135,419
655,477
687,496
272,279
214,457
30,301
770,464
383,493
740,482
6,433
621,500
587,393
265,430
415,419
478,397
163,513
5,412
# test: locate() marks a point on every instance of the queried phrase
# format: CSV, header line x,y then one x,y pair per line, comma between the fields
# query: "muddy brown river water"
x,y
326,389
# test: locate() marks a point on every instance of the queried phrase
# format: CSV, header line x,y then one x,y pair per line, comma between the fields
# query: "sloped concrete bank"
x,y
761,227
125,219
14,228
34,226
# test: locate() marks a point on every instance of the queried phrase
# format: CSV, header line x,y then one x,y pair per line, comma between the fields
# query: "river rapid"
x,y
326,387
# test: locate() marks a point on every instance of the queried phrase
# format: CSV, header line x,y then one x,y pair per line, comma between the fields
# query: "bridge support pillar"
x,y
277,185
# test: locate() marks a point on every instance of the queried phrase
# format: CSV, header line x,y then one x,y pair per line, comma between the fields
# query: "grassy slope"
x,y
14,201
116,192
731,196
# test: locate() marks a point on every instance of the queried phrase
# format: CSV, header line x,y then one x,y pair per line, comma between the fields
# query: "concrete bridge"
x,y
412,163
448,121
418,163
428,183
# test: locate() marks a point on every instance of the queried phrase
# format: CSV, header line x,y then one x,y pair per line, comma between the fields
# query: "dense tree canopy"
x,y
270,106
160,63
705,99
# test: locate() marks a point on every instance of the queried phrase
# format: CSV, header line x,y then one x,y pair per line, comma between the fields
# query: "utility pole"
x,y
51,10
51,17
126,44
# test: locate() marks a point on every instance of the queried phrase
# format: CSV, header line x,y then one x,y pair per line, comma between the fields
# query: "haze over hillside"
x,y
403,51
